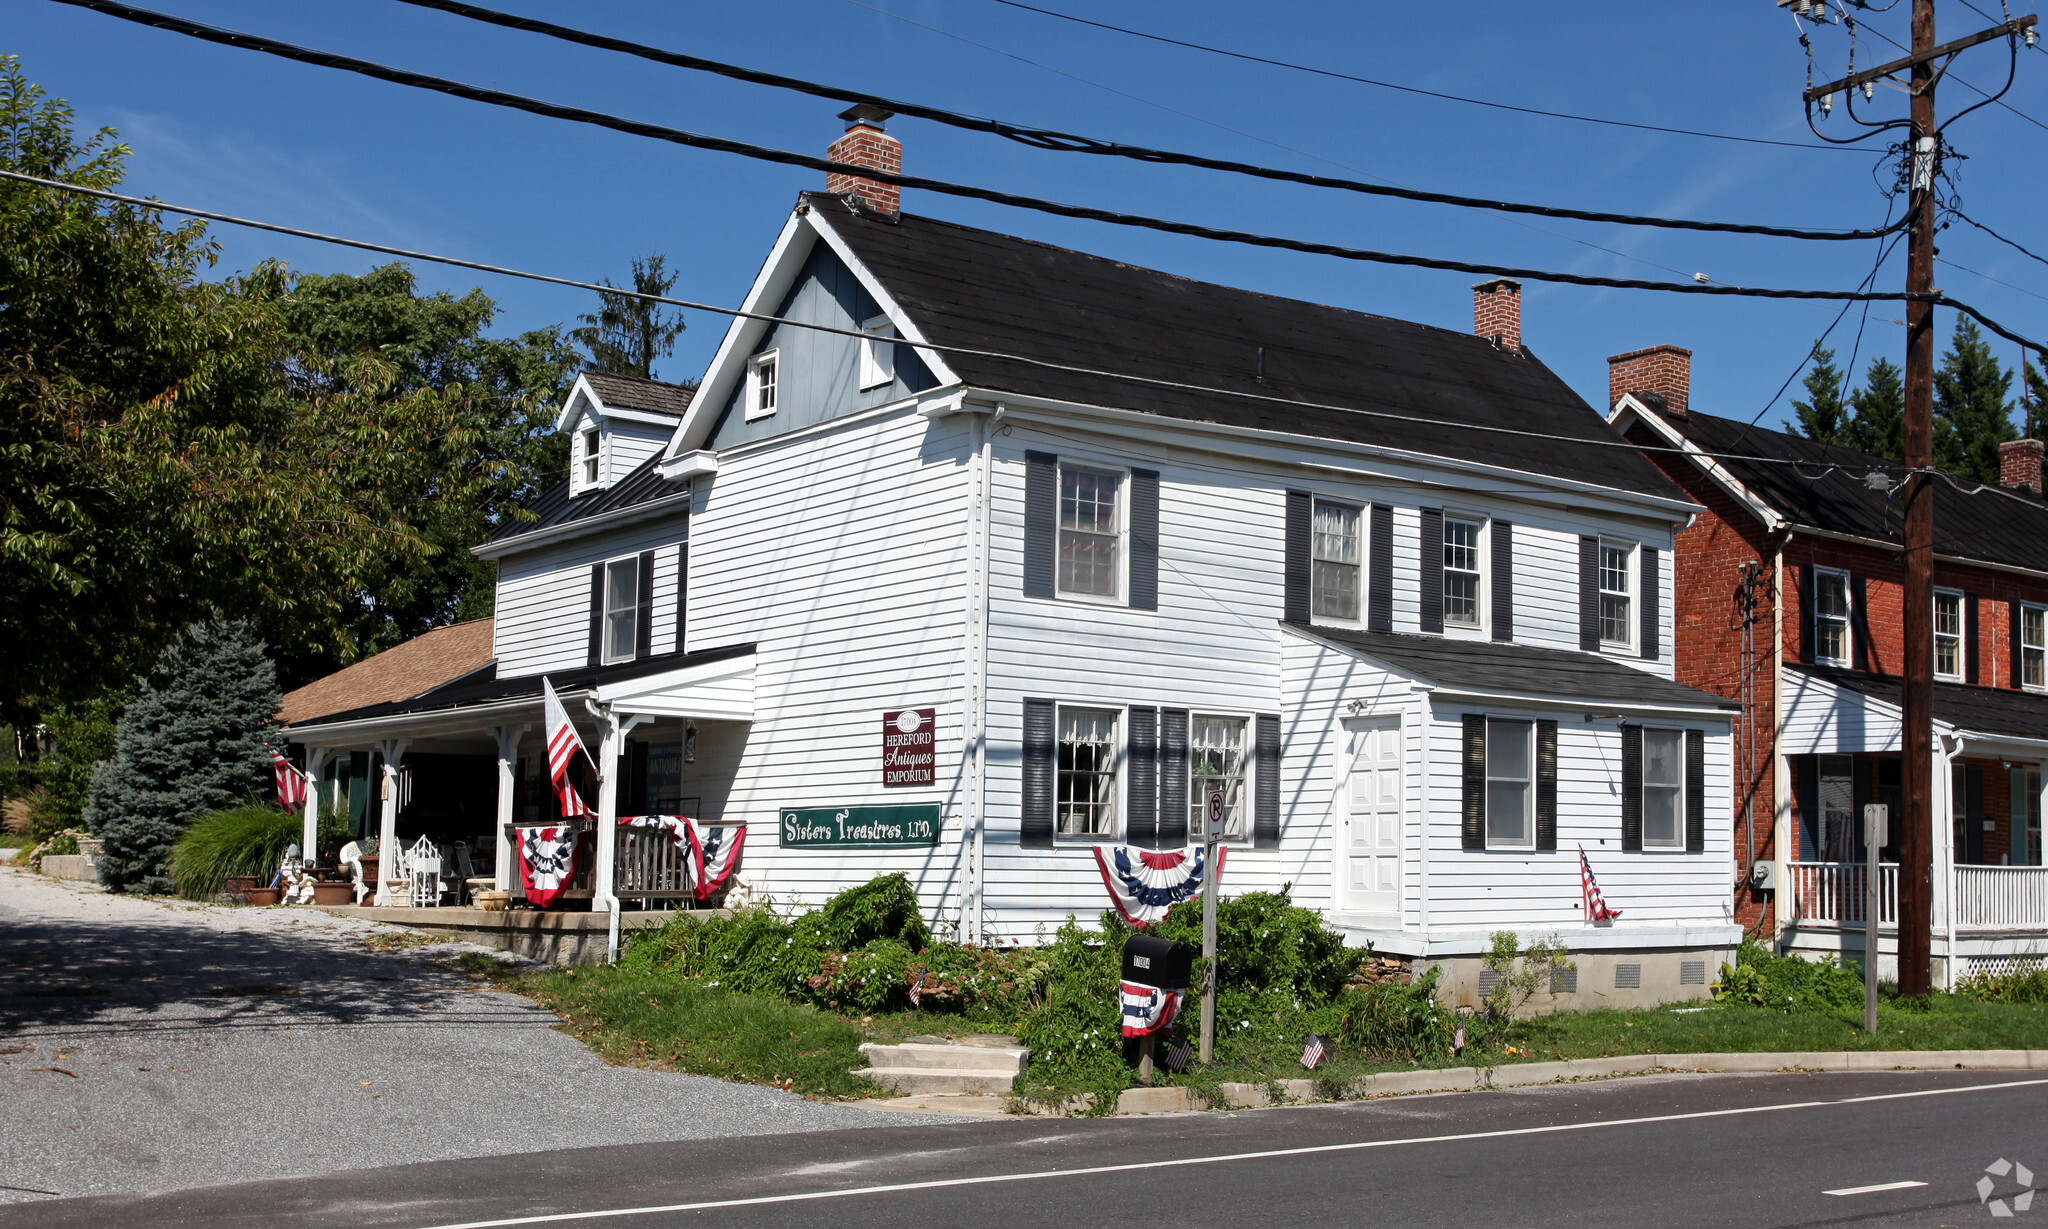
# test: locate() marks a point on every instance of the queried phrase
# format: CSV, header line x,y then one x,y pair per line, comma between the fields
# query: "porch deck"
x,y
549,936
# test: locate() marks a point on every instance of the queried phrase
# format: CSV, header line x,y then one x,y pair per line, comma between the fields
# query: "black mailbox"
x,y
1158,962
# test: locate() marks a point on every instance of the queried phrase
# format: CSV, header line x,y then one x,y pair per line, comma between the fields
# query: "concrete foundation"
x,y
547,936
1605,978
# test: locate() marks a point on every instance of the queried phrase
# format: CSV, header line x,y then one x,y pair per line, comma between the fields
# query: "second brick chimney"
x,y
1663,370
865,144
1497,312
2019,464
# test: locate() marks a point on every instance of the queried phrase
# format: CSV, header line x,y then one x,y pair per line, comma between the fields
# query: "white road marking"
x,y
1137,1166
1872,1190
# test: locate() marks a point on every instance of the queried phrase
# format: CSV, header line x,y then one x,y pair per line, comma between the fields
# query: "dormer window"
x,y
593,457
877,352
763,371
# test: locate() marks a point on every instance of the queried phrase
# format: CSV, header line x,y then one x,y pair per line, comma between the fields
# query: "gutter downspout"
x,y
1947,748
1781,780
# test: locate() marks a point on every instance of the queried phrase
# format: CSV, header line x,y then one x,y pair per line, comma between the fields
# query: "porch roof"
x,y
1520,669
1997,712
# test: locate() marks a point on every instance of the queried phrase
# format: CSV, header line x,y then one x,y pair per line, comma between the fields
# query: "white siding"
x,y
1821,719
543,612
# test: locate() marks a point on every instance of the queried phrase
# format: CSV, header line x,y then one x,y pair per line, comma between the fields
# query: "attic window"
x,y
593,456
877,352
763,373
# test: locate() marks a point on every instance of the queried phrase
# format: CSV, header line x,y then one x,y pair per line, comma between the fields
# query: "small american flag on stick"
x,y
917,989
1312,1053
1179,1054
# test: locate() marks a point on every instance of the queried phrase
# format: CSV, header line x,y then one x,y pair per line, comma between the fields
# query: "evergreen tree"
x,y
192,742
2031,390
626,334
1971,416
1879,425
1823,416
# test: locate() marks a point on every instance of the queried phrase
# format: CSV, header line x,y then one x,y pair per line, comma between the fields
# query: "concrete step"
x,y
1000,1060
928,1081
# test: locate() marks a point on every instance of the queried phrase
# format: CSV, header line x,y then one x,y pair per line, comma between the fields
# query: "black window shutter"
x,y
633,794
1863,783
1859,624
1972,663
2014,623
1144,539
1589,593
1034,824
1295,565
682,595
1142,827
1652,604
643,622
1041,522
1632,788
596,656
1806,800
1173,778
1546,785
1503,537
1806,637
1266,782
1695,791
1431,561
1473,816
1379,598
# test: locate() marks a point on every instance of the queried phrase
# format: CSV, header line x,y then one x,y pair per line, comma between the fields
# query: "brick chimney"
x,y
865,144
1497,312
2019,464
1663,370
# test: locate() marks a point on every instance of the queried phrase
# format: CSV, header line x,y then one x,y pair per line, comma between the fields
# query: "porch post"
x,y
607,812
316,758
507,737
392,750
1943,808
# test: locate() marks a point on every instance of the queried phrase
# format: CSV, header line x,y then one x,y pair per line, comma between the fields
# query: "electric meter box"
x,y
1158,962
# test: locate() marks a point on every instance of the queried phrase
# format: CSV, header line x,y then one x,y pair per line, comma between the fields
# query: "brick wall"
x,y
1497,311
1664,370
868,146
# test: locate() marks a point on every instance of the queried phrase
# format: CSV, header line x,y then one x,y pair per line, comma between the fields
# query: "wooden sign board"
x,y
909,739
898,827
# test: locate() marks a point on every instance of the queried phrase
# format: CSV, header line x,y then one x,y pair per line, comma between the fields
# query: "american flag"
x,y
563,748
1312,1053
1179,1053
917,989
291,783
1589,890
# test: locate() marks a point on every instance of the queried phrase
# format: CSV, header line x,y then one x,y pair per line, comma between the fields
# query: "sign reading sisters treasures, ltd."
x,y
907,745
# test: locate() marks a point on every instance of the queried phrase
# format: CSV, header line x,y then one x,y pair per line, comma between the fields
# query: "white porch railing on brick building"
x,y
1986,897
2002,897
1831,893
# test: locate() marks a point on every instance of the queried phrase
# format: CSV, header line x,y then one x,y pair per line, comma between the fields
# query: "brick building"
x,y
1789,598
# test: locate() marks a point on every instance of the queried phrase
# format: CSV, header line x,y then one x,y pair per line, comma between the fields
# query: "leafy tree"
x,y
81,735
192,742
1971,415
1879,425
626,334
1824,415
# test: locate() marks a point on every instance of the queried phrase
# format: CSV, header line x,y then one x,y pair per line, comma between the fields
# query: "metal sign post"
x,y
1876,827
1214,834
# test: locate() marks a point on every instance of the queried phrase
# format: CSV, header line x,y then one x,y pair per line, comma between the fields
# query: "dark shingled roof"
x,y
644,484
1981,710
632,393
1992,526
980,289
1487,665
483,686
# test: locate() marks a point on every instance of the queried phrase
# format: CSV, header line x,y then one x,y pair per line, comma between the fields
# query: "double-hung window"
x,y
1663,789
1089,533
621,609
1948,634
1510,784
764,372
593,457
1831,617
1335,556
1086,788
877,352
1461,572
1617,568
2033,646
1216,763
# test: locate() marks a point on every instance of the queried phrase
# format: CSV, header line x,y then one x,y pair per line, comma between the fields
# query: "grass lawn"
x,y
1948,1022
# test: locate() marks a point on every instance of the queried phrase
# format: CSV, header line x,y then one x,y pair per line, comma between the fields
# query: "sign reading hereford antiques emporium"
x,y
907,745
861,827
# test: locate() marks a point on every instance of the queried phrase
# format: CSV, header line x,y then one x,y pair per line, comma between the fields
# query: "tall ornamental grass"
x,y
246,840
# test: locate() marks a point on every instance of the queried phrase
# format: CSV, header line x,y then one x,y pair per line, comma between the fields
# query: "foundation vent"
x,y
1564,981
1692,972
1489,979
1628,976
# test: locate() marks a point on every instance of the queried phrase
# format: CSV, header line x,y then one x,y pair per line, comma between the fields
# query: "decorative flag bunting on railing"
x,y
676,826
1147,1009
710,853
1589,891
547,862
291,783
563,748
1145,883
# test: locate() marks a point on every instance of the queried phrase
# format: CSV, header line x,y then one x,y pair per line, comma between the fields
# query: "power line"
x,y
1946,76
2001,238
1066,142
1406,89
1987,277
1814,352
534,106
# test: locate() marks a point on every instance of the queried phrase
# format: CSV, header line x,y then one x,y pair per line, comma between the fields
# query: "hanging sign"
x,y
901,827
908,740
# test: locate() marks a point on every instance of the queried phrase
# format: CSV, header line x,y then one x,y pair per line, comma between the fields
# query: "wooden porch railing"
x,y
2002,897
1984,897
648,865
1831,893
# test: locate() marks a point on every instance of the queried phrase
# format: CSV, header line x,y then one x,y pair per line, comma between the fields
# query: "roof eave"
x,y
650,509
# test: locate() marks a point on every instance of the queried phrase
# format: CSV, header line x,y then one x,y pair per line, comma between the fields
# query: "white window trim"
x,y
1643,784
1635,594
1484,554
590,465
2024,646
753,397
1123,534
1198,832
1364,510
604,626
874,373
1529,812
1122,768
1848,618
1962,635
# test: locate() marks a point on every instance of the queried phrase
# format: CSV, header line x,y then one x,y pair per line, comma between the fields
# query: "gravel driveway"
x,y
148,1044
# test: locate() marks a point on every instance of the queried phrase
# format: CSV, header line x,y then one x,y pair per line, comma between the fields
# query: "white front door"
x,y
1372,824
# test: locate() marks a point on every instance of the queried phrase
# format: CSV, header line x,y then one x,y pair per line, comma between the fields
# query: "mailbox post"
x,y
1163,965
1213,813
1876,825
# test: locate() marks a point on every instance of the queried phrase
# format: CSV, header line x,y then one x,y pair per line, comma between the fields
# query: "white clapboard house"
x,y
1029,551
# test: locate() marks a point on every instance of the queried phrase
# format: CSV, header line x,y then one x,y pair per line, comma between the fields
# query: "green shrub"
x,y
2024,985
1267,943
1389,1022
1790,983
244,840
884,907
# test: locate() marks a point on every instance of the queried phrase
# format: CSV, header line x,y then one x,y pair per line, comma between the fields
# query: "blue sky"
x,y
253,135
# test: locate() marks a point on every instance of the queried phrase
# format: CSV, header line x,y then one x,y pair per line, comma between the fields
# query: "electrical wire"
x,y
533,106
1067,142
1813,353
1988,98
1987,277
2001,238
1406,89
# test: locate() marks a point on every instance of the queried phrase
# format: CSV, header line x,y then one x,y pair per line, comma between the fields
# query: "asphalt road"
x,y
1749,1151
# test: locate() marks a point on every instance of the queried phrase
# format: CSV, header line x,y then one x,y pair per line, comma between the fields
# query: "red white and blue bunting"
x,y
1147,1009
1146,883
709,853
547,862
